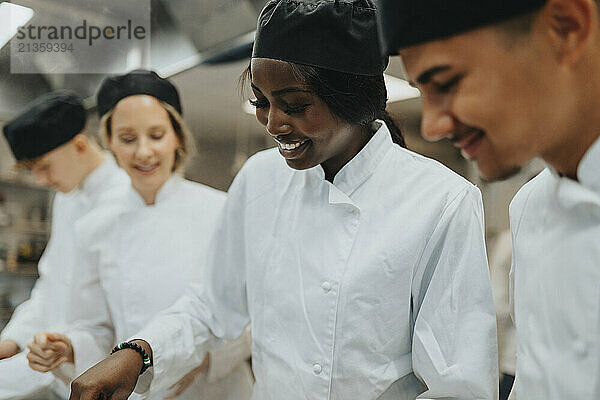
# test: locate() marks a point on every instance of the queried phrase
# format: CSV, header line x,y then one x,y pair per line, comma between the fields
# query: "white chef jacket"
x,y
373,286
555,223
47,308
500,258
136,260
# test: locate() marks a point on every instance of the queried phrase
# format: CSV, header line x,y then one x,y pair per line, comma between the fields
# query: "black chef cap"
x,y
339,35
116,88
47,123
409,22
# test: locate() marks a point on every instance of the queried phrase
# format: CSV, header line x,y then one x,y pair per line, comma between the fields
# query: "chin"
x,y
497,172
299,165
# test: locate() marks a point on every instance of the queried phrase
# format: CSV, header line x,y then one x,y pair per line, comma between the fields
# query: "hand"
x,y
8,348
49,351
112,378
188,379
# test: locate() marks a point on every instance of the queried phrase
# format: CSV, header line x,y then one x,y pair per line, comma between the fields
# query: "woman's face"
x,y
144,142
306,132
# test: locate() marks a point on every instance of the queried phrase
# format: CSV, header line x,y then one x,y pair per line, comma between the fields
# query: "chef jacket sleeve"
x,y
454,337
215,309
516,211
28,319
90,324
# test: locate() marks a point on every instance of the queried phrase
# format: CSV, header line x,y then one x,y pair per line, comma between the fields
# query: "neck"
x,y
566,159
148,194
584,120
93,160
334,164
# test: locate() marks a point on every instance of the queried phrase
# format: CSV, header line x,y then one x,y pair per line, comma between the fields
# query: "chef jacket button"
x,y
317,368
326,286
580,348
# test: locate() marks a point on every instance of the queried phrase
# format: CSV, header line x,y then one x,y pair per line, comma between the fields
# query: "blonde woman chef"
x,y
139,253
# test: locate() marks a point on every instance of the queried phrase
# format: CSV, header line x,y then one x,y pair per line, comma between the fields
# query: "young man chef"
x,y
507,81
48,137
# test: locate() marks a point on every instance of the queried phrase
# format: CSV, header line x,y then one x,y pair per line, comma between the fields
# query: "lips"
x,y
469,143
146,169
292,149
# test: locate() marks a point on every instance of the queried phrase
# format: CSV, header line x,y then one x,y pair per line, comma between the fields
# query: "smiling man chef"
x,y
508,81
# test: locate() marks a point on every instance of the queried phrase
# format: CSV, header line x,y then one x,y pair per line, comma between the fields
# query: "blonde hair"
x,y
186,142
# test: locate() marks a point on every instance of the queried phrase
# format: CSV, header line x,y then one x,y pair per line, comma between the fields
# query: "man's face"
x,y
59,169
493,99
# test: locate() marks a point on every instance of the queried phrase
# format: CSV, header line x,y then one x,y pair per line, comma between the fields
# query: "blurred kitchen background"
x,y
203,46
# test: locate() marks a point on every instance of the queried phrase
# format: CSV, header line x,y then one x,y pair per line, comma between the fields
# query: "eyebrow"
x,y
124,129
281,92
428,75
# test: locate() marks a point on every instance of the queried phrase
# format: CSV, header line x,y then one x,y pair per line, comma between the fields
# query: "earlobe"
x,y
569,24
80,142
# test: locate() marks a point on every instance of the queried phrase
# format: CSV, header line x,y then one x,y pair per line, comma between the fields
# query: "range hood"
x,y
184,34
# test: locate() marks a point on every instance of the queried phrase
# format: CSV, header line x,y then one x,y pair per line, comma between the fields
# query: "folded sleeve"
x,y
454,338
209,312
90,325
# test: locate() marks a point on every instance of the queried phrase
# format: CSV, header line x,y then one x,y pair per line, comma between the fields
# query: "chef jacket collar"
x,y
588,171
586,190
357,170
163,193
94,184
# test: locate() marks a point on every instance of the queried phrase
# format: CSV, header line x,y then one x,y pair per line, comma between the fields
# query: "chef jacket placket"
x,y
339,200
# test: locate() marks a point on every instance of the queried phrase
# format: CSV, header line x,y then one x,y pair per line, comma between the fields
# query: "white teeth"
x,y
291,146
145,168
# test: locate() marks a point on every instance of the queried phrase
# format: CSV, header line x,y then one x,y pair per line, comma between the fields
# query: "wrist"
x,y
145,345
144,360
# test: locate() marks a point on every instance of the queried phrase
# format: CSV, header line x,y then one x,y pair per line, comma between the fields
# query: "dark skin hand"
x,y
113,378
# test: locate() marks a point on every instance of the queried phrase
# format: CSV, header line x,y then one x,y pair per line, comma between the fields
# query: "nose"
x,y
436,121
143,149
277,122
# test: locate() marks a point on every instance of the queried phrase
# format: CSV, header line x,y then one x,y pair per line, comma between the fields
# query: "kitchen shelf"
x,y
23,226
21,185
23,269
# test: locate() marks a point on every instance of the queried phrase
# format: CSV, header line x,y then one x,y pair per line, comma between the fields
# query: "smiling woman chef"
x,y
360,264
138,253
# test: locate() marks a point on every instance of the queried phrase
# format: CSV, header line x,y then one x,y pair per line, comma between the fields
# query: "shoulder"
x,y
100,220
266,161
261,172
194,191
424,177
529,193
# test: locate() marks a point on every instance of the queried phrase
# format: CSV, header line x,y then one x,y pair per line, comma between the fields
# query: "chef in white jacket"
x,y
360,265
47,137
555,223
138,253
508,81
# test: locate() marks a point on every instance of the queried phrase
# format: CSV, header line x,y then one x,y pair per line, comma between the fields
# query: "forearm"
x,y
177,343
